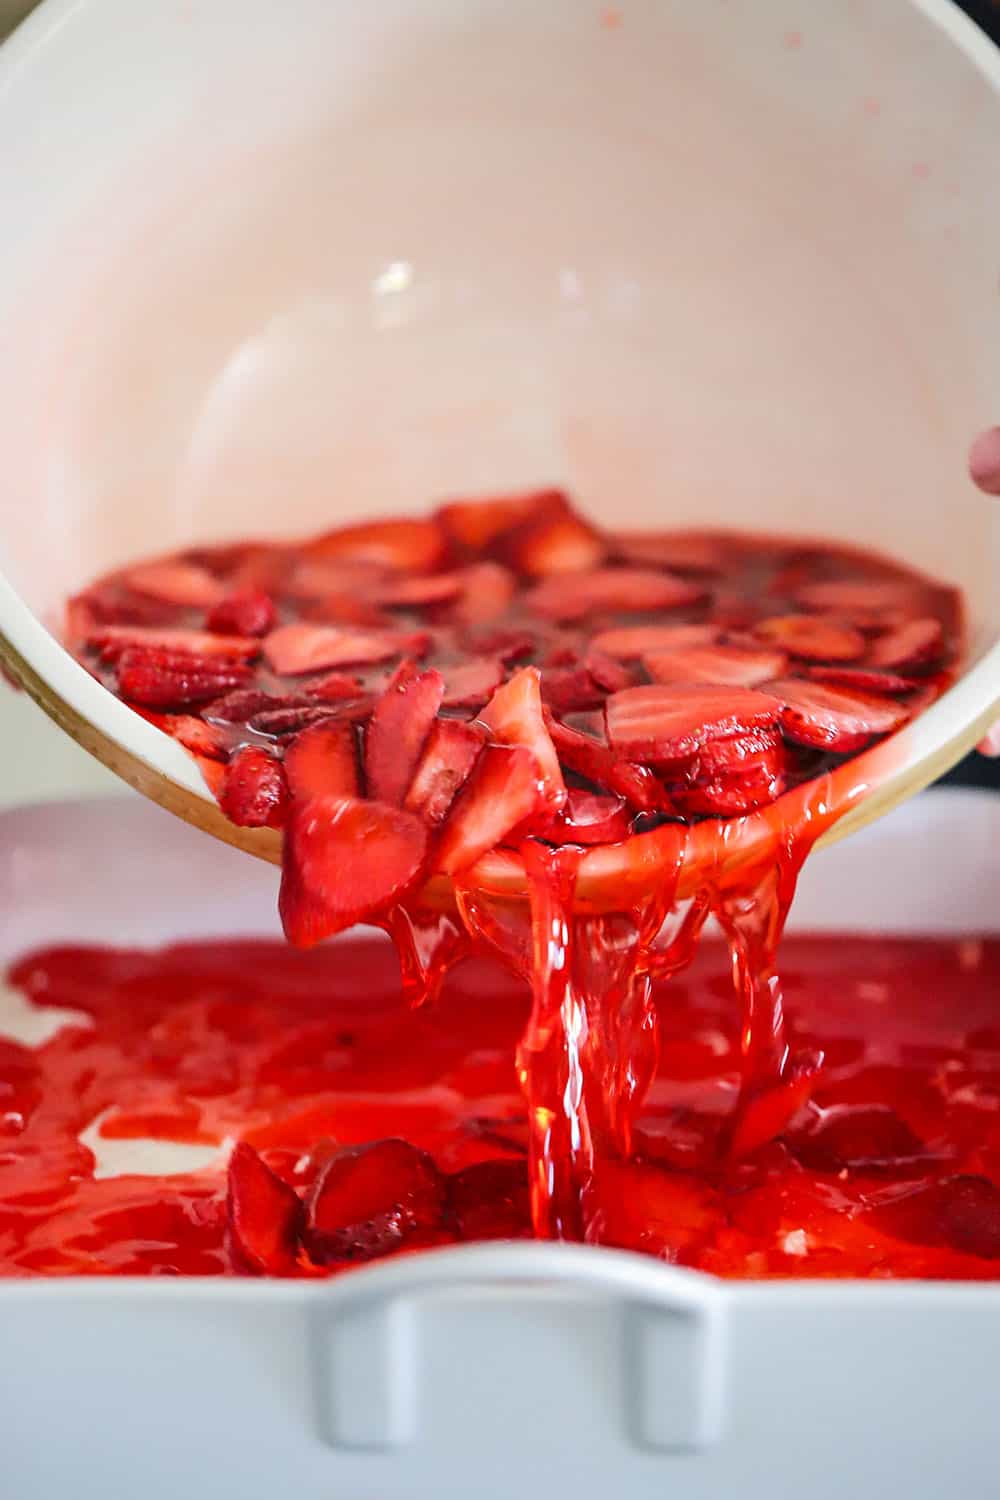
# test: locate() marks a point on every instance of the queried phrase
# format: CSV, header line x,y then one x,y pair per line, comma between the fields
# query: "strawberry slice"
x,y
671,722
857,596
504,790
587,818
593,760
292,650
112,640
573,596
322,761
916,643
827,718
557,542
264,1215
279,723
610,674
724,665
239,706
567,690
474,524
176,582
397,731
735,754
170,680
633,641
417,593
514,717
195,735
734,794
489,1201
254,791
335,688
411,545
368,1200
487,590
812,637
472,683
249,613
862,679
446,764
509,644
345,861
681,551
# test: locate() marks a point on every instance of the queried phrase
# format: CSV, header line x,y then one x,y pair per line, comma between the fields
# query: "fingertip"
x,y
984,461
990,743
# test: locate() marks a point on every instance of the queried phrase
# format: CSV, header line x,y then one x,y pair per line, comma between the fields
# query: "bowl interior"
x,y
703,264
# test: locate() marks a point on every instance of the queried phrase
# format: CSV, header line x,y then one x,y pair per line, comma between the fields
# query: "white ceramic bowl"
x,y
267,267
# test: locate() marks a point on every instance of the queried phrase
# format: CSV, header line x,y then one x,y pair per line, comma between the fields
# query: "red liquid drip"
x,y
890,1168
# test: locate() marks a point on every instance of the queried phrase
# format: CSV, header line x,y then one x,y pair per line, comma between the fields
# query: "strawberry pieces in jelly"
x,y
368,1200
957,1213
264,1215
707,671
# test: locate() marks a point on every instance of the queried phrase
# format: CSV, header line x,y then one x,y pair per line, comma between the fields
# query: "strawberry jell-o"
x,y
405,697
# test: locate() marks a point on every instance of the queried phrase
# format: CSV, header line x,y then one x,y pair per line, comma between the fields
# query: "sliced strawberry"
x,y
664,723
557,542
322,761
107,605
112,640
254,791
593,760
862,679
731,795
334,688
240,706
827,718
264,1215
416,593
735,754
292,650
472,683
167,679
962,1213
177,582
195,735
724,665
857,596
487,590
573,596
633,641
567,690
313,579
489,1201
281,722
345,861
681,551
397,732
474,524
812,637
411,545
514,717
249,613
368,1200
610,674
914,644
504,790
587,818
446,764
510,644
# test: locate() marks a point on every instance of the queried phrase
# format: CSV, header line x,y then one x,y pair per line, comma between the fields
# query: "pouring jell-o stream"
x,y
504,735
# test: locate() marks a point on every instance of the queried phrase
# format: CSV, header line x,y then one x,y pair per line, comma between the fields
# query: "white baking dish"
x,y
491,1371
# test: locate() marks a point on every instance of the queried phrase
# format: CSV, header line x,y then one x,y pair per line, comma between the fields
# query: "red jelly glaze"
x,y
888,1166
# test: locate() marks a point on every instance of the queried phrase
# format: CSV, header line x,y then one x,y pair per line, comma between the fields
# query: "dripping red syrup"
x,y
501,728
890,1166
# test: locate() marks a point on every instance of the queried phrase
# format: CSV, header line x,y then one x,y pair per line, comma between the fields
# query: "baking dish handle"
x,y
367,1340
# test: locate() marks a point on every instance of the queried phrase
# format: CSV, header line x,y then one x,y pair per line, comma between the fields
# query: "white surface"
x,y
280,265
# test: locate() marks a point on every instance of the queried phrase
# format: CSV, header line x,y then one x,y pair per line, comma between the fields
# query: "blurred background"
x,y
55,759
